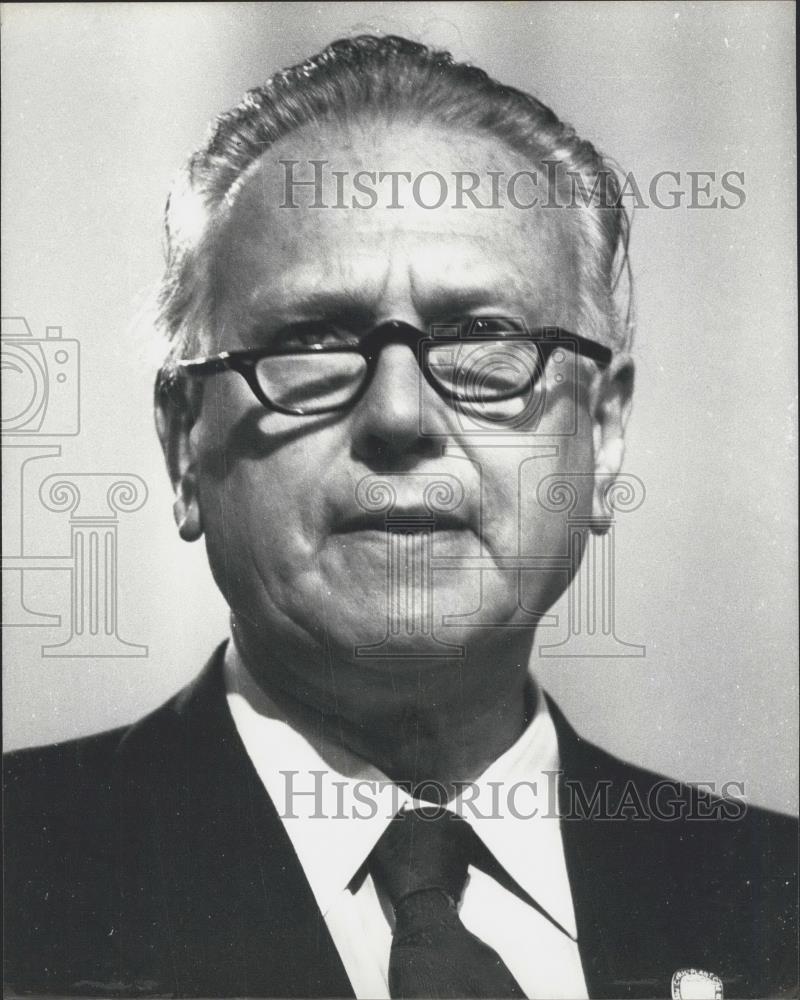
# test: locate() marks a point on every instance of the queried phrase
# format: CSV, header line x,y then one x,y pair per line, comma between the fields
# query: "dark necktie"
x,y
422,862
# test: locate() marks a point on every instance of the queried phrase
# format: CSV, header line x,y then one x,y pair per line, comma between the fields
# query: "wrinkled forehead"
x,y
373,208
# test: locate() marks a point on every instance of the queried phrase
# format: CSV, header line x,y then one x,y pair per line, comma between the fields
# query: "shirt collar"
x,y
335,805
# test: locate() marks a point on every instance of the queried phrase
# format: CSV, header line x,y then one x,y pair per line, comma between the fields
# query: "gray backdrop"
x,y
102,103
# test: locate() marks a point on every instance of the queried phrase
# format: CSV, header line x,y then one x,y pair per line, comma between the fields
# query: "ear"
x,y
611,406
175,413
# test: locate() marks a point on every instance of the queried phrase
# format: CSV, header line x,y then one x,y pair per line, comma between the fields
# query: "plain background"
x,y
101,103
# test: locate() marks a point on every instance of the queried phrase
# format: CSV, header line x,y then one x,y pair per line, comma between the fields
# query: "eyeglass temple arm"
x,y
206,366
591,349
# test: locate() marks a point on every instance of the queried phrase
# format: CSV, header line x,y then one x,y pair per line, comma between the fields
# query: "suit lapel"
x,y
655,890
618,945
237,913
581,854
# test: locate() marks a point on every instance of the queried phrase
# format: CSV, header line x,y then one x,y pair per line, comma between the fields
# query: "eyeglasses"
x,y
480,364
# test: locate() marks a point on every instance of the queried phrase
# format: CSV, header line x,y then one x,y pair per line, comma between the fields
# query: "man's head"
x,y
303,561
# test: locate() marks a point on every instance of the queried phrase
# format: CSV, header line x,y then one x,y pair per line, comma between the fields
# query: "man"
x,y
388,343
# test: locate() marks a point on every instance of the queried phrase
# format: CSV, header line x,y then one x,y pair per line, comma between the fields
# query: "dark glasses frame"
x,y
546,339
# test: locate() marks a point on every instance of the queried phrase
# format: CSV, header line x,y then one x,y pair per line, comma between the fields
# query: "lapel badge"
x,y
696,984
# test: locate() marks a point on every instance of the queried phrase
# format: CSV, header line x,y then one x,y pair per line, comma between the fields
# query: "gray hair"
x,y
384,78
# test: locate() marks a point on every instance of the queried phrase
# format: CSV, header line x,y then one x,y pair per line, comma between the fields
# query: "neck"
x,y
442,721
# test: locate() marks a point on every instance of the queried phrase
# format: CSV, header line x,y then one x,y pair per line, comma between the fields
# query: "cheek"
x,y
530,493
268,507
260,528
257,486
260,537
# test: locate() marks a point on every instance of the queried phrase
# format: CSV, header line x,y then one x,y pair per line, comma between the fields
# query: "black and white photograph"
x,y
399,454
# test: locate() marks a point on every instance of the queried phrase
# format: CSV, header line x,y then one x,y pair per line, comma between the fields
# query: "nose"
x,y
386,423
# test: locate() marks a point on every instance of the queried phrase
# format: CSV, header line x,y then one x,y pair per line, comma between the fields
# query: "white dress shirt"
x,y
335,807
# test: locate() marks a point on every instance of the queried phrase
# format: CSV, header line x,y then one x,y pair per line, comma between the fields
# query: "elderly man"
x,y
390,298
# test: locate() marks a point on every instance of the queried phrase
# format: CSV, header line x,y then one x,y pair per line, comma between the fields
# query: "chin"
x,y
374,621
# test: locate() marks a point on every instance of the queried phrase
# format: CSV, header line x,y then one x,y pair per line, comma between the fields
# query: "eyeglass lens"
x,y
483,375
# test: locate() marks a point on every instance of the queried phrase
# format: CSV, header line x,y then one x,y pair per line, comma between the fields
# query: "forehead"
x,y
276,252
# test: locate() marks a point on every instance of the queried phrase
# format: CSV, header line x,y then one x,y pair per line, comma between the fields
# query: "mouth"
x,y
402,519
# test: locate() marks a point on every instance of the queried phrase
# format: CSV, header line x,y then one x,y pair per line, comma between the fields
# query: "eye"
x,y
496,326
314,333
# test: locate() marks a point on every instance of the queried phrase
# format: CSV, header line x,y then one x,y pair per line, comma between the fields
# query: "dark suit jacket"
x,y
150,861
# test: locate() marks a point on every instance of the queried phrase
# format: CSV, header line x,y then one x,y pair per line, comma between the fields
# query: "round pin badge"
x,y
696,984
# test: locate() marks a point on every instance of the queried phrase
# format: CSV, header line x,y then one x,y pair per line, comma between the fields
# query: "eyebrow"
x,y
310,302
267,320
465,294
359,305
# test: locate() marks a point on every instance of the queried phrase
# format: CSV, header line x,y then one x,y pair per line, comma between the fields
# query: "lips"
x,y
404,517
434,500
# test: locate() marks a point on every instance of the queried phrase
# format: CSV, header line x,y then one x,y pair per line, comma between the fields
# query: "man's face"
x,y
294,552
